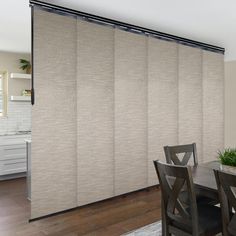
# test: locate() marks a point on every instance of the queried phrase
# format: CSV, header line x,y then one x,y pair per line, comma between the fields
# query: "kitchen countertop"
x,y
17,133
16,138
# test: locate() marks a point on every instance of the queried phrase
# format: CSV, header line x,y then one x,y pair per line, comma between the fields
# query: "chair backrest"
x,y
188,151
226,184
172,180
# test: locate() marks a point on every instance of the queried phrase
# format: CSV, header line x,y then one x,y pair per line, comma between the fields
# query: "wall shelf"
x,y
20,98
20,76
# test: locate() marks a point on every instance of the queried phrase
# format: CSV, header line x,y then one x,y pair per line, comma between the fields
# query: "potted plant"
x,y
228,159
25,65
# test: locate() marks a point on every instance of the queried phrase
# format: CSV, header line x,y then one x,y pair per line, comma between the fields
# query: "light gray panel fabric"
x,y
190,97
107,101
130,112
162,100
95,111
54,114
213,105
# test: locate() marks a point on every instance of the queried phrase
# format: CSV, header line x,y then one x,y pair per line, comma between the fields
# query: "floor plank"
x,y
112,217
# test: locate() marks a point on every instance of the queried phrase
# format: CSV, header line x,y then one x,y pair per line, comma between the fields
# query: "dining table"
x,y
204,178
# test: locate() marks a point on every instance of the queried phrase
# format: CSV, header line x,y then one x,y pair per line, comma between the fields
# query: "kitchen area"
x,y
15,117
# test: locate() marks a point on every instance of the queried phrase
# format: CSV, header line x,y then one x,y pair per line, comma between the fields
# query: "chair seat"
x,y
209,219
200,199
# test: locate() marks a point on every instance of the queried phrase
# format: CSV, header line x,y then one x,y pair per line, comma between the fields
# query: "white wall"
x,y
230,104
10,62
18,118
19,113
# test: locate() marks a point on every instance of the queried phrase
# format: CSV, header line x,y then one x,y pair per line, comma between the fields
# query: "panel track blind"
x,y
54,115
106,103
162,100
95,116
190,111
213,105
130,112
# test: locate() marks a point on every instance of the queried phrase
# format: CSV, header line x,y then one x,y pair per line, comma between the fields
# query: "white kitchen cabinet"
x,y
12,155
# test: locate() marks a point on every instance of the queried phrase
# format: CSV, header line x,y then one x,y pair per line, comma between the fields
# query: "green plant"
x,y
228,156
25,65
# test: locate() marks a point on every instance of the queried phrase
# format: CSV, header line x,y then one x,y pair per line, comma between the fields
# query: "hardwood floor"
x,y
107,218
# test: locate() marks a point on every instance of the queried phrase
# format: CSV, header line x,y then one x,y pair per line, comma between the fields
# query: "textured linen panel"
x,y
95,111
162,100
130,112
54,114
190,97
213,104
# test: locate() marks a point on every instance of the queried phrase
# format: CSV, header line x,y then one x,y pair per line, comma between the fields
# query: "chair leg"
x,y
164,220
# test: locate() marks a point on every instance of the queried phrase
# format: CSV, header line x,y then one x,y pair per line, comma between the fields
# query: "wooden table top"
x,y
203,175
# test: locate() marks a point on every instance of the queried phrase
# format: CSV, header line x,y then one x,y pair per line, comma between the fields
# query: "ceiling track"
x,y
126,26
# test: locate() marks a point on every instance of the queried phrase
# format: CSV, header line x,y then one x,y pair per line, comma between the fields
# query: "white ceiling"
x,y
15,26
209,21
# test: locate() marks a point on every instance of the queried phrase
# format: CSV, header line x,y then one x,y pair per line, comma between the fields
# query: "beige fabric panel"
x,y
190,97
162,100
107,101
213,105
95,112
130,112
54,115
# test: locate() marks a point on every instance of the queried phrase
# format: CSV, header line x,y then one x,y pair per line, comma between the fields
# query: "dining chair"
x,y
226,184
189,153
179,218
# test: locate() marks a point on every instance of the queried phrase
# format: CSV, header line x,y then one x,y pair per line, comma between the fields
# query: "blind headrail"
x,y
127,27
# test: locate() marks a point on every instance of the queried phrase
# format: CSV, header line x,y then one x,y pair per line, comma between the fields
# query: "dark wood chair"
x,y
189,152
226,184
180,218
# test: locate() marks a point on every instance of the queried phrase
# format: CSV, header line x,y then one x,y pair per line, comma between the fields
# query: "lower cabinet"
x,y
12,155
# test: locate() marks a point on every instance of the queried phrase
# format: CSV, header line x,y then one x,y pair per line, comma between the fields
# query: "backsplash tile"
x,y
18,118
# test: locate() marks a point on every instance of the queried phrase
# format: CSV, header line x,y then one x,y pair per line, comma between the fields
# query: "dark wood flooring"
x,y
111,217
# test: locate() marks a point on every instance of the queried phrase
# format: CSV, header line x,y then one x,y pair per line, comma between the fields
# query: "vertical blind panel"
x,y
130,112
54,114
107,101
95,112
162,101
213,105
190,97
